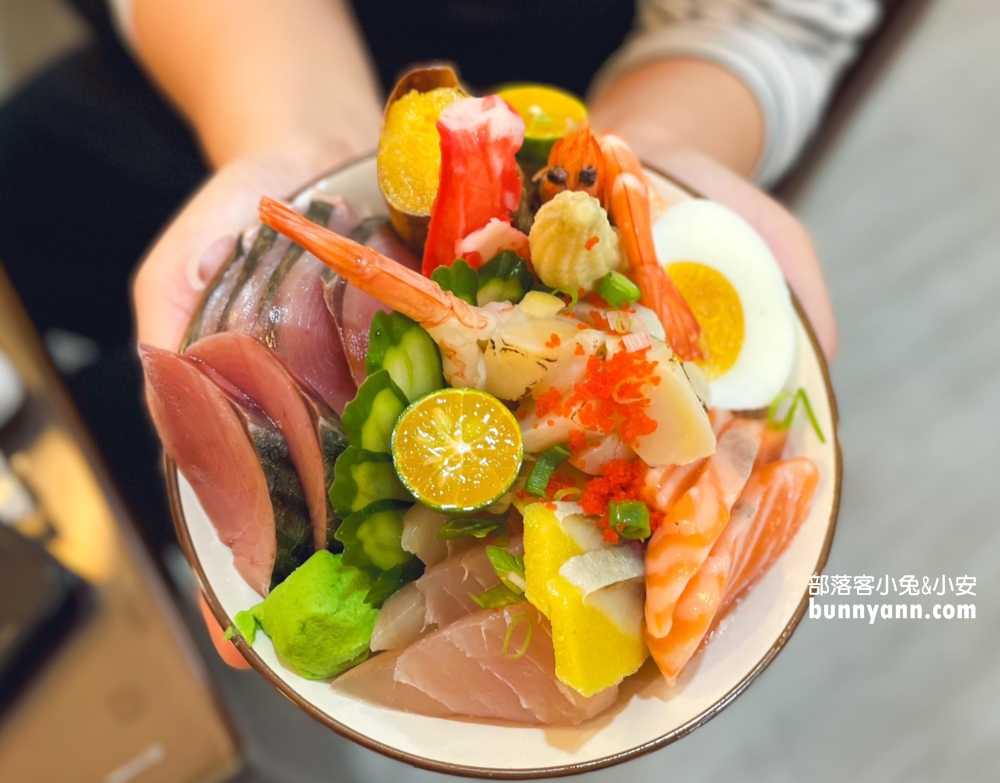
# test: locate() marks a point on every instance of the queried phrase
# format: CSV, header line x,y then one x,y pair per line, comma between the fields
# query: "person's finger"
x,y
226,649
784,234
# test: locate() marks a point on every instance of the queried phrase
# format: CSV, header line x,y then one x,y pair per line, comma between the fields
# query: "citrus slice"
x,y
457,449
548,114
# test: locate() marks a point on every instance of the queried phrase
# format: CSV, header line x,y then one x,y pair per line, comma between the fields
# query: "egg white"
x,y
711,234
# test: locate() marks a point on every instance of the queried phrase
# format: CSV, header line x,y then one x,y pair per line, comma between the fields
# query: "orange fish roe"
x,y
610,397
577,441
548,402
579,350
600,322
621,481
553,341
589,244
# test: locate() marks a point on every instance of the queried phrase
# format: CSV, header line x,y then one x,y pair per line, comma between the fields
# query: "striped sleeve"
x,y
790,53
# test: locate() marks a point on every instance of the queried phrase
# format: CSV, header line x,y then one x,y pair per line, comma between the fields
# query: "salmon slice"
x,y
763,521
204,435
771,447
666,485
498,664
786,496
698,604
682,543
374,682
258,373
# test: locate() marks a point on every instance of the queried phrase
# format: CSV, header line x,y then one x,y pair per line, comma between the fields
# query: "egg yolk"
x,y
716,305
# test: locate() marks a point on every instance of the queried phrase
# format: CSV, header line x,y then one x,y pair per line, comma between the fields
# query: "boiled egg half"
x,y
734,286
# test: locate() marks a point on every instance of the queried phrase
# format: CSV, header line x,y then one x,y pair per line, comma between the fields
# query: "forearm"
x,y
254,74
687,103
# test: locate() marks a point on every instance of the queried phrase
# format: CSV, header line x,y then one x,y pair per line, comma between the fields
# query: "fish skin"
x,y
259,374
465,667
203,434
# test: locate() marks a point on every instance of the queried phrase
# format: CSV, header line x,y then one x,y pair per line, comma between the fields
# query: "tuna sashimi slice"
x,y
258,373
446,587
497,664
204,436
374,682
401,621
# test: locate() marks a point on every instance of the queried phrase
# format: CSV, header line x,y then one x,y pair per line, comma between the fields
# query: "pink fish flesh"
x,y
352,309
258,373
446,587
204,436
497,664
373,682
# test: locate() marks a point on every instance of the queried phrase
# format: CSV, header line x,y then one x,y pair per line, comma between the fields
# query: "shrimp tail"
x,y
409,292
627,201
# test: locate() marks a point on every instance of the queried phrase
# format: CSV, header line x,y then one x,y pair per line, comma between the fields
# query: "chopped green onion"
x,y
510,568
462,527
459,278
574,296
510,632
550,459
799,396
496,597
566,492
629,518
617,290
623,324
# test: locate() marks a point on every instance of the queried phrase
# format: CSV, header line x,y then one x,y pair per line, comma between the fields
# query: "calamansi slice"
x,y
457,449
548,114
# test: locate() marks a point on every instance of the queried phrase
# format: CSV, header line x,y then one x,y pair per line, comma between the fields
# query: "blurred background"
x,y
901,192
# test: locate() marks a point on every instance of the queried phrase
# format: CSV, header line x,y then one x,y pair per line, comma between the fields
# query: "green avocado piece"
x,y
317,618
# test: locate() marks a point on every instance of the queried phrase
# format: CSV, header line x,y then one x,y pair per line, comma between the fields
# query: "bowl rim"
x,y
251,656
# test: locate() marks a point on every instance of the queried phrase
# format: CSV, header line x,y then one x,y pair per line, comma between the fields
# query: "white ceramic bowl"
x,y
648,714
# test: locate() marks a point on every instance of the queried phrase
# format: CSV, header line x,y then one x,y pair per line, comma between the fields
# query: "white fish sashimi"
x,y
401,620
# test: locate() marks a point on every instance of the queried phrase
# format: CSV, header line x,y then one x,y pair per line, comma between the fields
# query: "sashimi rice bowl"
x,y
498,436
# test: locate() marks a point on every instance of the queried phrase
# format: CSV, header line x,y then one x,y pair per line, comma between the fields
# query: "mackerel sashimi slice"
x,y
259,374
498,664
203,434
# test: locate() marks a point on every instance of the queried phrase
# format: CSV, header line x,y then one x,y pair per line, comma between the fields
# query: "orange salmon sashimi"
x,y
765,518
665,485
682,543
787,493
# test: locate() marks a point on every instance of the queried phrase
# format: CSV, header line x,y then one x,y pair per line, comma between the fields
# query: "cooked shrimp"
x,y
626,197
575,163
680,545
520,347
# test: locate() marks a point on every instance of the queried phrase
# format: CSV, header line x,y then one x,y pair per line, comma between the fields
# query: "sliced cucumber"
x,y
362,477
504,278
371,416
400,346
372,537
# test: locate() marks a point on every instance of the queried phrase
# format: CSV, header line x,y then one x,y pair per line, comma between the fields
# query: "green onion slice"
x,y
617,290
796,397
496,597
574,297
510,632
629,518
464,527
510,568
550,459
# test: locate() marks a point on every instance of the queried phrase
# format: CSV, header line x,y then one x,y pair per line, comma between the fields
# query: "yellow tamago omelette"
x,y
592,650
